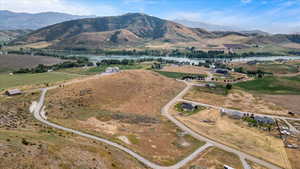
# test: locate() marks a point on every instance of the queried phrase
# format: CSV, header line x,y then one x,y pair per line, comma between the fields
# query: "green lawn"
x,y
177,75
273,85
7,81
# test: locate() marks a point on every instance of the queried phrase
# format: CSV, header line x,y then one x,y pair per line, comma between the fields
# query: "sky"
x,y
275,16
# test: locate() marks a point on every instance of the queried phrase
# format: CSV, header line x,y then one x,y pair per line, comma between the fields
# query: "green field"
x,y
100,69
177,75
274,68
7,81
273,85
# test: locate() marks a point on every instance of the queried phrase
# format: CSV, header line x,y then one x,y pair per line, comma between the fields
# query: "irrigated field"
x,y
30,80
125,107
13,62
237,134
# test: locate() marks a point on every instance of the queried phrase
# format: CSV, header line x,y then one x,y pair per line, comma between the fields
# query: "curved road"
x,y
39,114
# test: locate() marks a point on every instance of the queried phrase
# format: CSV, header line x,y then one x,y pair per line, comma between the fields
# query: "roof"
x,y
14,92
187,106
264,119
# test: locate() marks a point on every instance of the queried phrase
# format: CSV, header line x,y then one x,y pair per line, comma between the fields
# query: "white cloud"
x,y
246,1
65,6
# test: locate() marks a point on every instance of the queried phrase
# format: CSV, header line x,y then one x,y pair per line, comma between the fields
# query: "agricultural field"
x,y
125,108
26,143
177,75
272,85
234,99
13,62
32,80
214,158
237,134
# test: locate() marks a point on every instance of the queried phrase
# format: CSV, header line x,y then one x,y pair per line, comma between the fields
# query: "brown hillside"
x,y
137,91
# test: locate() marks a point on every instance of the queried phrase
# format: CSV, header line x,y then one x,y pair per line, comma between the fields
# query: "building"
x,y
233,47
222,71
227,167
188,107
13,92
211,85
266,120
112,70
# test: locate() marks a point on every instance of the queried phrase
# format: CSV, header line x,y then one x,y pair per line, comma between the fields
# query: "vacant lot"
x,y
30,80
289,102
13,62
125,107
234,99
214,158
237,134
26,143
186,69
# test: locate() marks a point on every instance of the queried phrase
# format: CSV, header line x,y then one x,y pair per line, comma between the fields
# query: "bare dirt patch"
x,y
13,62
236,99
186,69
290,102
237,134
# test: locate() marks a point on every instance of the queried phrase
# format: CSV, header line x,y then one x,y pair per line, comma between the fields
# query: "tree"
x,y
229,86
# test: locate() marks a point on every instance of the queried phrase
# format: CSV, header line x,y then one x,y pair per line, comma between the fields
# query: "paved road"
x,y
39,114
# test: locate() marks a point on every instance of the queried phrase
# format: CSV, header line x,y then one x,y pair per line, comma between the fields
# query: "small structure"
x,y
14,92
222,71
112,70
188,107
211,85
266,120
227,167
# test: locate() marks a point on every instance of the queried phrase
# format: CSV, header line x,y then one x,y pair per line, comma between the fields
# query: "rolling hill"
x,y
129,29
134,30
16,21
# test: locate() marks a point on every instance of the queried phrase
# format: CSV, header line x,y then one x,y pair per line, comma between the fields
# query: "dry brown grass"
x,y
238,100
237,134
125,104
186,69
214,158
290,102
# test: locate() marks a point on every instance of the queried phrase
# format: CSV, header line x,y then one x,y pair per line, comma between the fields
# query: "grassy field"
x,y
176,75
272,85
7,81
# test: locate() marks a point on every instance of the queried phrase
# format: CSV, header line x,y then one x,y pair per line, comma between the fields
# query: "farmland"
x,y
273,85
32,80
13,62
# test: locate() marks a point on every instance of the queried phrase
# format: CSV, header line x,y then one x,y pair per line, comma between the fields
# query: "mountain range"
x,y
137,30
16,21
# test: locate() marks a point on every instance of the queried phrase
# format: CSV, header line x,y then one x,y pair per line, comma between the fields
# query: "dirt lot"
x,y
290,102
125,108
236,99
13,62
237,134
186,69
26,143
214,158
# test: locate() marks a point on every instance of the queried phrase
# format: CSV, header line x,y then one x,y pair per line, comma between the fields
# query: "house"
x,y
188,107
266,120
13,92
112,70
211,85
233,47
